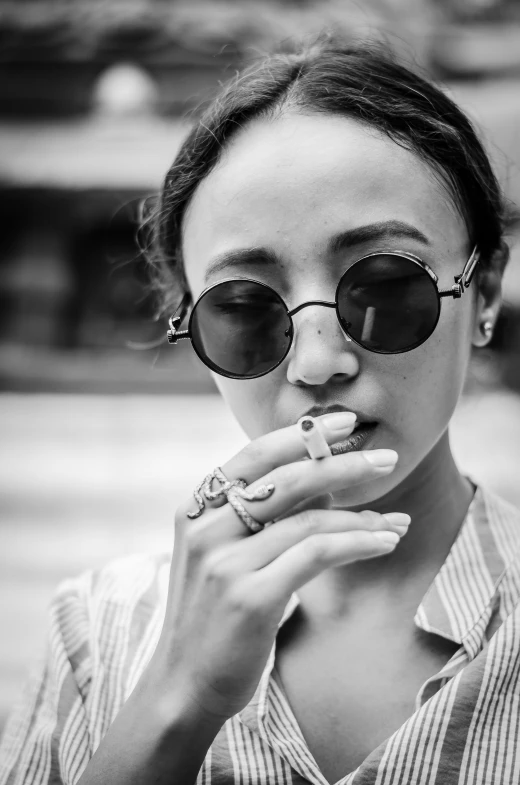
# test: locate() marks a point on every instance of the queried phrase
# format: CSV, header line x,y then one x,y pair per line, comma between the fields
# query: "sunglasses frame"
x,y
462,281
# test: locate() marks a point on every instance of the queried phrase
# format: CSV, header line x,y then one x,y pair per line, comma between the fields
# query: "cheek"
x,y
428,381
252,402
452,344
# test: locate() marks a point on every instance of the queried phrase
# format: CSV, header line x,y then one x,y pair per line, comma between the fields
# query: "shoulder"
x,y
123,584
110,621
103,628
115,592
503,520
107,621
497,523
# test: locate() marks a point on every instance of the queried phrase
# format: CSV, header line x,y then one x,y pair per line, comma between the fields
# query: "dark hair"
x,y
360,80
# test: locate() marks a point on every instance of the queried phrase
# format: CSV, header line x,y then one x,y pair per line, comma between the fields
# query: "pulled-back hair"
x,y
360,80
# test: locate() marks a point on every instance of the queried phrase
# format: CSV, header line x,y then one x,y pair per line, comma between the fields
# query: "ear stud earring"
x,y
487,329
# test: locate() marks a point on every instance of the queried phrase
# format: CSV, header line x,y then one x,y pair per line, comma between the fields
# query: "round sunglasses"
x,y
387,302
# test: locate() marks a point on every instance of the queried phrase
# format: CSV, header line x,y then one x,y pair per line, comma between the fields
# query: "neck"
x,y
437,497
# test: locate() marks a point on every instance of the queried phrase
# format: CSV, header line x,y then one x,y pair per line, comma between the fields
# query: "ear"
x,y
489,299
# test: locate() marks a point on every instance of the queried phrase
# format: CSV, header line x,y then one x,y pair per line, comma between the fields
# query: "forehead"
x,y
292,182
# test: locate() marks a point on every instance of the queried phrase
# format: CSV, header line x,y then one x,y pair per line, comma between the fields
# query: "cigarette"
x,y
313,438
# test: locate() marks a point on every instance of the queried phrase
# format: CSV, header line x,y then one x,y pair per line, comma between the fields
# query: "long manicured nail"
x,y
387,538
400,519
339,421
381,458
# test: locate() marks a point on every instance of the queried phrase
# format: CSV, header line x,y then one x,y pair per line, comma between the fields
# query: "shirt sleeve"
x,y
46,740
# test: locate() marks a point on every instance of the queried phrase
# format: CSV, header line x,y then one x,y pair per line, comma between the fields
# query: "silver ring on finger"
x,y
233,490
252,524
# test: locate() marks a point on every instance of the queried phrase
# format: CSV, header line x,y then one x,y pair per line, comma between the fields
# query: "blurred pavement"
x,y
84,479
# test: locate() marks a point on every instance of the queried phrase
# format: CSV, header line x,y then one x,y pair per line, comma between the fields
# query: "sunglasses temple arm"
x,y
173,335
463,280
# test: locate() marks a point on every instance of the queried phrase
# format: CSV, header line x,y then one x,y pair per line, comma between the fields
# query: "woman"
x,y
315,219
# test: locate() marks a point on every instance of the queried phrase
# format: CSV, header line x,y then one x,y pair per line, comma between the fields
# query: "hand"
x,y
228,589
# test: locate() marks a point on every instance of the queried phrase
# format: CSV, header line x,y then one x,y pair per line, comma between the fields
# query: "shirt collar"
x,y
464,594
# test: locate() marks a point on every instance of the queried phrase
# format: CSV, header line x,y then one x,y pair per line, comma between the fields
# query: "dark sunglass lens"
x,y
388,303
241,329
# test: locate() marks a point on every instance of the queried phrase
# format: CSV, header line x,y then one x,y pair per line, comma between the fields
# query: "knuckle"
x,y
218,566
363,540
315,549
289,477
357,463
354,461
374,520
243,599
181,513
194,538
309,521
253,452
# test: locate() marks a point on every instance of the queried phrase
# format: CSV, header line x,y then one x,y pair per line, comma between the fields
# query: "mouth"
x,y
357,440
360,436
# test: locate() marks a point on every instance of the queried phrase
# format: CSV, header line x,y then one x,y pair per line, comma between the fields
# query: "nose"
x,y
320,353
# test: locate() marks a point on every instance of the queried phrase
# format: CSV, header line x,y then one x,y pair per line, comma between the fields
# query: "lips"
x,y
359,437
357,440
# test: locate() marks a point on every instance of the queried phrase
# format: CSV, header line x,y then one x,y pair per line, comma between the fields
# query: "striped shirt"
x,y
465,728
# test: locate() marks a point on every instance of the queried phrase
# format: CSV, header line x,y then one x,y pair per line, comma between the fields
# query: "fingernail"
x,y
381,458
400,519
339,420
388,538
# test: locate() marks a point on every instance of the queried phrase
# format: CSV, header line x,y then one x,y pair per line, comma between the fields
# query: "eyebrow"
x,y
381,230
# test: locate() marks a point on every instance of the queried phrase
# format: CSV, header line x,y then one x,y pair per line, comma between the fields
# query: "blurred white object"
x,y
125,89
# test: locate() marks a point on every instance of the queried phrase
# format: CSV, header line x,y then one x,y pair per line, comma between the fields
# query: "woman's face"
x,y
289,185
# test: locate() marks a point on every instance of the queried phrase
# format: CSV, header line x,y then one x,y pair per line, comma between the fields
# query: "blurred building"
x,y
92,104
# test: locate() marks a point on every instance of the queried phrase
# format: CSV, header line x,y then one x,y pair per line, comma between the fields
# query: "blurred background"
x,y
97,440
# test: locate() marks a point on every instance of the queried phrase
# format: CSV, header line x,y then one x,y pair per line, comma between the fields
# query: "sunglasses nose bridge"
x,y
325,304
298,308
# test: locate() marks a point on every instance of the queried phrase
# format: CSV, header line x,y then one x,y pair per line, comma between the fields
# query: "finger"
x,y
271,450
257,552
283,446
223,527
307,479
308,558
